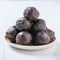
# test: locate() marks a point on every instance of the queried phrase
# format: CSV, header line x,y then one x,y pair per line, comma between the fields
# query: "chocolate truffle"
x,y
39,25
23,38
11,33
41,38
51,34
22,24
31,13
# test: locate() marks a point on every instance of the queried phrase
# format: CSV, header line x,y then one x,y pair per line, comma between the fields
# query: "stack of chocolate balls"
x,y
29,30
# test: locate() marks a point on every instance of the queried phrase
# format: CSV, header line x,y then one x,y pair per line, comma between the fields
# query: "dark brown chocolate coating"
x,y
23,24
30,30
31,13
51,34
41,38
11,33
39,25
23,38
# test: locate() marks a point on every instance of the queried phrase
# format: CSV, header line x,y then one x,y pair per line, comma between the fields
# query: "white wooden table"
x,y
11,11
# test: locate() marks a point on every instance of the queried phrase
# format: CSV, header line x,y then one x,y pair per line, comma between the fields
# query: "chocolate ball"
x,y
51,34
11,33
39,25
41,38
23,38
31,13
23,24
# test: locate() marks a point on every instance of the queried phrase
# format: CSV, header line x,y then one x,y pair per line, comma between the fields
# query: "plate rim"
x,y
28,45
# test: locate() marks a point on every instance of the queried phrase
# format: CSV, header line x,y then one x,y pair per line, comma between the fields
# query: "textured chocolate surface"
x,y
30,30
31,13
11,33
23,38
22,24
39,25
41,38
51,34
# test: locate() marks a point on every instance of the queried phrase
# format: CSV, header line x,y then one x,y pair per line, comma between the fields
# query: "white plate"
x,y
31,47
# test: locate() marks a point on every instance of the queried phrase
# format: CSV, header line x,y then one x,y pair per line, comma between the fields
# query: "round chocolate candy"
x,y
23,24
11,33
23,38
39,25
51,34
31,13
41,38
